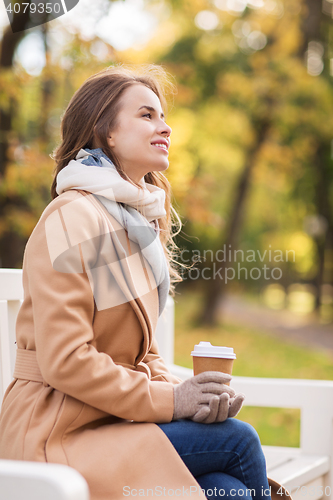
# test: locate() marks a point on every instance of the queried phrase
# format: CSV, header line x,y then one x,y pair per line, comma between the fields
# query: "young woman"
x,y
89,388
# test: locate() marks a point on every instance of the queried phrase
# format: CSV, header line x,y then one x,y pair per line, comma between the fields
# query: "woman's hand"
x,y
198,398
228,407
220,408
235,405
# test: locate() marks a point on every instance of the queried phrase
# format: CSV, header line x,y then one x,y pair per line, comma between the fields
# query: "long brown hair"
x,y
92,114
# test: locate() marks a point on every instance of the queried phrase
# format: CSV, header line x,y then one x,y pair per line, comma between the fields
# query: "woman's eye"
x,y
148,115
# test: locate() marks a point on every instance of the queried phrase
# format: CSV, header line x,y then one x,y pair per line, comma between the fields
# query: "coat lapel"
x,y
132,273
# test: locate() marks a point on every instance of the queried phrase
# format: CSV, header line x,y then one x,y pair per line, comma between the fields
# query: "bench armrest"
x,y
40,481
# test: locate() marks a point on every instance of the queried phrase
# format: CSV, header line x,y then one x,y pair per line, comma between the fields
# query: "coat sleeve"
x,y
157,366
63,312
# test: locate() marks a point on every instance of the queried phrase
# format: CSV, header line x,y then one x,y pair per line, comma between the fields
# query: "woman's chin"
x,y
161,168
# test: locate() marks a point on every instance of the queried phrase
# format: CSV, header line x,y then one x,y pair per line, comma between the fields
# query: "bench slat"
x,y
11,287
278,455
314,490
301,470
294,469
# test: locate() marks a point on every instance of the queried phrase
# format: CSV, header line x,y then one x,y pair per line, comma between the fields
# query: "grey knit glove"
x,y
208,414
220,408
198,397
235,404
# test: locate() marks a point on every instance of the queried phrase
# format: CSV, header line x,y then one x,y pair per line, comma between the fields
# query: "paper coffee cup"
x,y
208,357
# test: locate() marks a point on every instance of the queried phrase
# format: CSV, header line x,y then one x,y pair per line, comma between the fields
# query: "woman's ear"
x,y
111,142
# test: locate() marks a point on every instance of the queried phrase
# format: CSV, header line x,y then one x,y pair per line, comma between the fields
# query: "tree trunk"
x,y
312,24
216,287
47,92
324,209
11,245
313,28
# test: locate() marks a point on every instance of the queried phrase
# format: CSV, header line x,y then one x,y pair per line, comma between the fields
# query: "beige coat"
x,y
89,383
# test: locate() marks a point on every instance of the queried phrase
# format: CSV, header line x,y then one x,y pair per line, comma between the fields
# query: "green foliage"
x,y
28,179
38,103
226,90
259,354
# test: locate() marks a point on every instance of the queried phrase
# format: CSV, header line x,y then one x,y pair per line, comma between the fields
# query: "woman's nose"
x,y
165,129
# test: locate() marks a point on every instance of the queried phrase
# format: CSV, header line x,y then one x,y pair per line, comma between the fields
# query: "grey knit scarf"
x,y
81,173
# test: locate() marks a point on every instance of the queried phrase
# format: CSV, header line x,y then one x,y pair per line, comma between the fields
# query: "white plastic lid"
x,y
207,350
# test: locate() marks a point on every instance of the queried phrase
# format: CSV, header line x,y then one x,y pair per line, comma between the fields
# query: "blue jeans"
x,y
225,458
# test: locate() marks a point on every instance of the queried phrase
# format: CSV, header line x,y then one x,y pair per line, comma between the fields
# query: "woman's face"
x,y
141,138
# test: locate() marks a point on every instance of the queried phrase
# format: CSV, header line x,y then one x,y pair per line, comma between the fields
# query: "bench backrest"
x,y
11,296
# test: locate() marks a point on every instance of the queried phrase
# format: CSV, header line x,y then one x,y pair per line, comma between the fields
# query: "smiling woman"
x,y
90,389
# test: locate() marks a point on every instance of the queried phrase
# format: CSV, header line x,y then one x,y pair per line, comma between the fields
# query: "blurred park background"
x,y
251,164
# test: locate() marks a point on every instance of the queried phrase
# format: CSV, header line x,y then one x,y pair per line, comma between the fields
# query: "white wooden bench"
x,y
306,472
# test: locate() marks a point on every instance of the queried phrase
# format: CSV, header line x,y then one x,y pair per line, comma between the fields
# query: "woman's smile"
x,y
163,145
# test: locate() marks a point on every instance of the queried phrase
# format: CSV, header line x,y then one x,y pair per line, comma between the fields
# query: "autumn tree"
x,y
29,105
